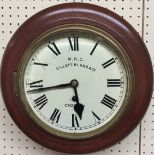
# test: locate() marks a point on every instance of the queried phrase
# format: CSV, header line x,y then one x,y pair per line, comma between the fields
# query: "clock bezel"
x,y
105,20
102,37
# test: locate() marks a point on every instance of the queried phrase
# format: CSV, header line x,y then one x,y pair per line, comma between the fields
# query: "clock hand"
x,y
78,107
61,86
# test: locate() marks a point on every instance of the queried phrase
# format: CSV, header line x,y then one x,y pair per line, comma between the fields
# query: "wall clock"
x,y
76,78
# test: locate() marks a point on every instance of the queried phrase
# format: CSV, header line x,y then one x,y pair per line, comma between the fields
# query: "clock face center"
x,y
74,83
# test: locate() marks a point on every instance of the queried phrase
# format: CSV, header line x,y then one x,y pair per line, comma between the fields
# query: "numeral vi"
x,y
75,122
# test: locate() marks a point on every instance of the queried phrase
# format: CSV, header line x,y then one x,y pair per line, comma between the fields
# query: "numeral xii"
x,y
75,122
74,43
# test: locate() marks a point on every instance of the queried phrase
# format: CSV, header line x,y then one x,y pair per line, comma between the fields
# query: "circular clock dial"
x,y
74,82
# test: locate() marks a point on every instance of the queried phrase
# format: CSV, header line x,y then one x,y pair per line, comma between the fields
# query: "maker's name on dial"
x,y
76,62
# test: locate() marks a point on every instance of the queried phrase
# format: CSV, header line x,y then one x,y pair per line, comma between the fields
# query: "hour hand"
x,y
61,86
78,107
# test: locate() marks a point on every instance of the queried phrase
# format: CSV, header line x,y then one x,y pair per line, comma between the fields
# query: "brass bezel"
x,y
102,34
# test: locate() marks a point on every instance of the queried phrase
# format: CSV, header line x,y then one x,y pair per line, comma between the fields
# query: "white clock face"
x,y
75,82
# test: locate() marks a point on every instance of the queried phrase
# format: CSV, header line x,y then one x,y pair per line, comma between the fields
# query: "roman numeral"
x,y
108,101
36,84
114,82
40,101
54,48
55,115
94,48
97,118
74,43
41,64
75,122
109,62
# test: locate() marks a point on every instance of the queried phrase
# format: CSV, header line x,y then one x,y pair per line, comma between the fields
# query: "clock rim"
x,y
103,37
105,20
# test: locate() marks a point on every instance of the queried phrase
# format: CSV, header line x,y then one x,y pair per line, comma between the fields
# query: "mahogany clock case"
x,y
105,20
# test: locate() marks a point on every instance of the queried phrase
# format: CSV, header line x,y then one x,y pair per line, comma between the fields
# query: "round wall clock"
x,y
76,78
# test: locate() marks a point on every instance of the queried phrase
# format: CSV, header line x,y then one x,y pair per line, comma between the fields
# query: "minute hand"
x,y
61,86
